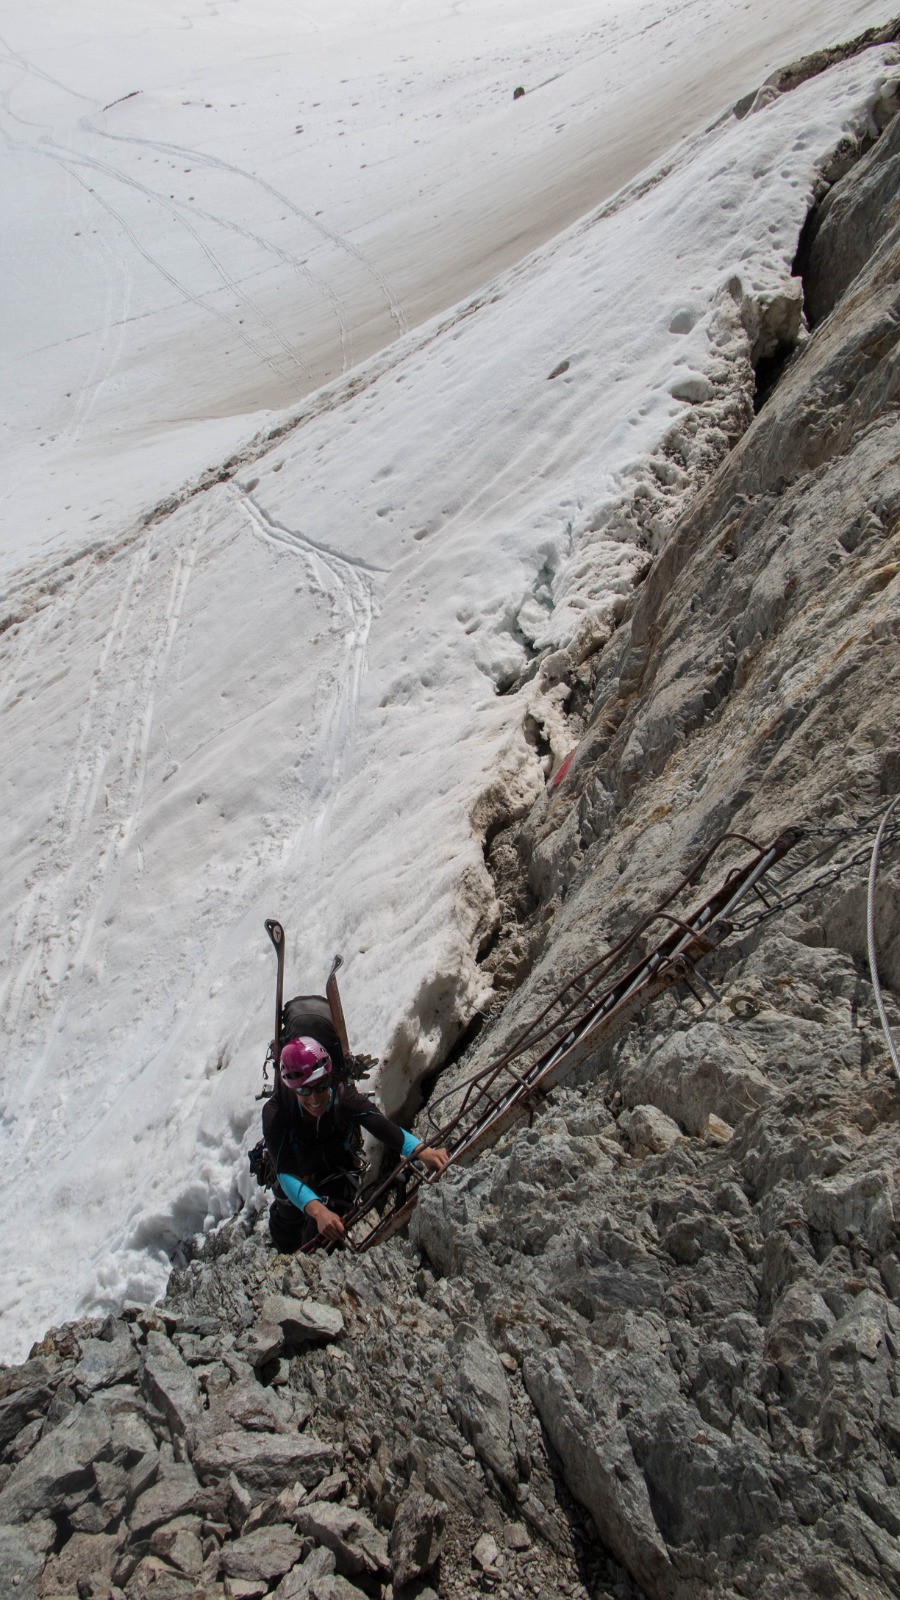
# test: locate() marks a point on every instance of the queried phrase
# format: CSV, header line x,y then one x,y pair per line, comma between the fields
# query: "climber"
x,y
313,1127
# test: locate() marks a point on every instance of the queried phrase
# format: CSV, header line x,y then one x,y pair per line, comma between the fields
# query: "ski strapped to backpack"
x,y
333,996
276,934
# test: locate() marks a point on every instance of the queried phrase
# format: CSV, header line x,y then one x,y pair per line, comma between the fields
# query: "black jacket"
x,y
313,1149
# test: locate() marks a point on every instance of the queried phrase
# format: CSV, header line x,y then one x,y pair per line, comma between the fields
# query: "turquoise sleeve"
x,y
410,1143
298,1193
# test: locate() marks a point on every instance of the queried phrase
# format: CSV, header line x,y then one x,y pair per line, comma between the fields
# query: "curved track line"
x,y
395,309
15,58
180,288
301,543
177,213
347,583
177,285
321,285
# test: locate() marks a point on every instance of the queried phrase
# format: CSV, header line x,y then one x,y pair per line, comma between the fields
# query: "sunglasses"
x,y
321,1087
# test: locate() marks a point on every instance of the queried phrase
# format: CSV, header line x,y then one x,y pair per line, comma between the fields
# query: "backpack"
x,y
262,1166
308,1016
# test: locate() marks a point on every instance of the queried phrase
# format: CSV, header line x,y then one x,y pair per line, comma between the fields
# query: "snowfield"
x,y
465,357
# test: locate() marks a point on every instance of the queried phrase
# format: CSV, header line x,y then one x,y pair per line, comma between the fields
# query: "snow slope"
x,y
289,695
210,210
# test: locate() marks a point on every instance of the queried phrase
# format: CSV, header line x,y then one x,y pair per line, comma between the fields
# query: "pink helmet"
x,y
304,1062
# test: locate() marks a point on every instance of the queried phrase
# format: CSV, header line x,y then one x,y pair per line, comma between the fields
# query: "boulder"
x,y
86,1558
648,1130
478,1397
265,1553
854,1205
247,1405
264,1461
318,1567
690,1075
23,1551
154,1579
355,1542
30,1398
106,1361
486,1552
172,1386
176,1493
302,1321
179,1543
56,1473
417,1536
261,1343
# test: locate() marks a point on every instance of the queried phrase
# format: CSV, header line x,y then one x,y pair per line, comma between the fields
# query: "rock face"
x,y
648,1344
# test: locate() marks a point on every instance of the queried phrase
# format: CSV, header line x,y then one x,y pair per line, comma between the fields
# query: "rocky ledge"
x,y
648,1344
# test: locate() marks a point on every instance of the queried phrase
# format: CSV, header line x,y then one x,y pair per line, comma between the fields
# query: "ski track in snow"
x,y
319,284
134,763
68,159
69,163
185,152
94,819
177,212
28,69
21,967
108,344
348,584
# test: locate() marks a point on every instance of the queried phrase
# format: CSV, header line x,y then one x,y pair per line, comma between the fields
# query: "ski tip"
x,y
274,930
336,963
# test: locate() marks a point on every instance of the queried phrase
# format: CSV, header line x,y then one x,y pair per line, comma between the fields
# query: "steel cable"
x,y
870,937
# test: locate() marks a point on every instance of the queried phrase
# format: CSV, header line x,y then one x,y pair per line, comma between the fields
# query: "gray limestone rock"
x,y
302,1321
179,1543
106,1361
281,1508
854,1206
262,1342
486,1553
155,1578
601,1468
690,1075
83,1559
24,1394
440,1227
23,1552
176,1493
355,1542
247,1406
265,1462
328,1587
265,1553
318,1567
705,1487
417,1536
478,1395
172,1386
57,1472
648,1129
852,222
